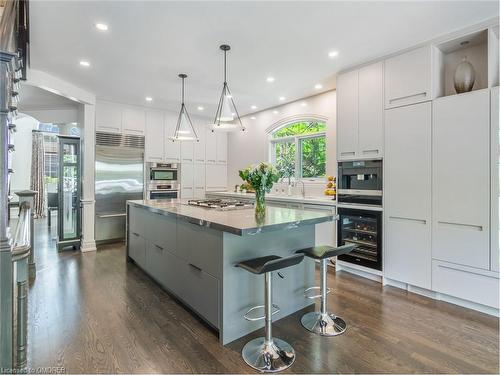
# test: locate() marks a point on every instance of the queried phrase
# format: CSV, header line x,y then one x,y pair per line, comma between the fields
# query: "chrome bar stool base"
x,y
323,324
274,356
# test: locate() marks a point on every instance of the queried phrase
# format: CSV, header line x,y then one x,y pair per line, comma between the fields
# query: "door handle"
x,y
478,227
421,221
408,97
195,267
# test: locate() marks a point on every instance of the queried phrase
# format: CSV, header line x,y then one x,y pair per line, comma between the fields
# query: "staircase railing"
x,y
21,248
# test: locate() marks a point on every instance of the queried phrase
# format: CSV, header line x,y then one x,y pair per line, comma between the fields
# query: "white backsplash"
x,y
312,188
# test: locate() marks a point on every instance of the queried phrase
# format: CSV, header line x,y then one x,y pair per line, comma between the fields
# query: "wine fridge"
x,y
364,229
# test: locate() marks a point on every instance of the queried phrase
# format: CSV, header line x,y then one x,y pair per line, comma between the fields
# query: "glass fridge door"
x,y
69,192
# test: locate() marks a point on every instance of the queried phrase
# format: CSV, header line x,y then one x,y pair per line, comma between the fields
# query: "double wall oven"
x,y
360,214
162,181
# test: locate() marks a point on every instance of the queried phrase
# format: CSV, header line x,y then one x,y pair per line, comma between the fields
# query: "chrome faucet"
x,y
303,189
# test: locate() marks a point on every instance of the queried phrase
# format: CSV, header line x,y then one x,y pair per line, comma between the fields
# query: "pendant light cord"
x,y
182,91
225,80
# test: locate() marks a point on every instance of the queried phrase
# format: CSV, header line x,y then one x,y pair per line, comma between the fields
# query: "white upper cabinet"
x,y
371,111
347,115
155,139
221,144
187,151
360,113
108,117
408,78
199,180
133,121
495,159
216,177
407,209
172,149
117,118
199,147
211,147
461,179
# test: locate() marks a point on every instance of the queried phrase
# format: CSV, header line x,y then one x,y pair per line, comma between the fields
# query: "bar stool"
x,y
268,354
322,322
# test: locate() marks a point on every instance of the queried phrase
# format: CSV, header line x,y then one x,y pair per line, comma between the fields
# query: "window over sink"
x,y
298,149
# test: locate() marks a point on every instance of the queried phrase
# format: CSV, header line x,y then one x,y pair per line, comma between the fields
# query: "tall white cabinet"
x,y
461,179
360,113
407,250
495,185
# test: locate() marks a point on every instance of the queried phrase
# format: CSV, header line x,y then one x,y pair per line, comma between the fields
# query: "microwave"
x,y
163,172
360,182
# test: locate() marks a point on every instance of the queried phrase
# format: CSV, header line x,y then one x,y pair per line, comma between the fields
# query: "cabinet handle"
x,y
345,153
421,221
478,227
195,267
111,215
424,94
370,151
135,234
159,247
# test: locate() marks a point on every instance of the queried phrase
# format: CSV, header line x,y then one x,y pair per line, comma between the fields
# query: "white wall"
x,y
251,146
21,159
55,116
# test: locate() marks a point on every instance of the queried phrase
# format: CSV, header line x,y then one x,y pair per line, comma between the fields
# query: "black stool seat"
x,y
270,263
323,252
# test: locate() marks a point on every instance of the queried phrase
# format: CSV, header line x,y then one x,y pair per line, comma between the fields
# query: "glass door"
x,y
69,192
362,228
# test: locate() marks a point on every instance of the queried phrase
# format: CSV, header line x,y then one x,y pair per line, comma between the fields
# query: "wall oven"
x,y
360,182
162,181
364,229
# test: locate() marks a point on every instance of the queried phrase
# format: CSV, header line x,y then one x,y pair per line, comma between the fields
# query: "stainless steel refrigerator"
x,y
119,176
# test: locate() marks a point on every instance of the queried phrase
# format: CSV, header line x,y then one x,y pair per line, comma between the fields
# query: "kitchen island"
x,y
192,252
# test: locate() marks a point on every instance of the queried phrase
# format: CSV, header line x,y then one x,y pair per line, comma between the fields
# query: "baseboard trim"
x,y
442,297
87,246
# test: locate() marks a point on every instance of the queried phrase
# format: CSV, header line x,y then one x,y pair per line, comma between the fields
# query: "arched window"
x,y
298,149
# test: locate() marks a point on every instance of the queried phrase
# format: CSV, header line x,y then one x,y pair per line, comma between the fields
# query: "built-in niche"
x,y
475,48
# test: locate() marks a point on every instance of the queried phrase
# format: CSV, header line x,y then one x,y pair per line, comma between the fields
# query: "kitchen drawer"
x,y
465,282
202,294
200,246
137,249
162,230
155,262
137,220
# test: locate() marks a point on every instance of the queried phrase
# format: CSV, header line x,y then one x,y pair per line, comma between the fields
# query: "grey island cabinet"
x,y
192,251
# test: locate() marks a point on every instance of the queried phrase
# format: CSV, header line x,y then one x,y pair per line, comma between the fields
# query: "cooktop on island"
x,y
220,204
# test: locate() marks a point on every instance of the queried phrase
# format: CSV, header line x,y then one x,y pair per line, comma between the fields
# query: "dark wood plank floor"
x,y
96,313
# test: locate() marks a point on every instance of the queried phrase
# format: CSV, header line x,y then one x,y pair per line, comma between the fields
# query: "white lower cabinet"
x,y
325,233
461,179
466,283
407,212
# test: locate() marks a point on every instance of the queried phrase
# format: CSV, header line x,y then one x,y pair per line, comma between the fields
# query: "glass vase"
x,y
260,203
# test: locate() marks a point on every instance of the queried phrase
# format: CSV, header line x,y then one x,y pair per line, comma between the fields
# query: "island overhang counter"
x,y
192,252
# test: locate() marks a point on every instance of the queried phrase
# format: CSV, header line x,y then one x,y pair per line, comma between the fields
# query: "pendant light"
x,y
227,118
184,131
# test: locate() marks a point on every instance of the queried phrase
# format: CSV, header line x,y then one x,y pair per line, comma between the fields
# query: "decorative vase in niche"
x,y
464,77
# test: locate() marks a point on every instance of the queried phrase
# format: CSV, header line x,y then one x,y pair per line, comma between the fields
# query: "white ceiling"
x,y
149,43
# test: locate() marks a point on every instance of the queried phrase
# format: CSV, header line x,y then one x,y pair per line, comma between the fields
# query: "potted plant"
x,y
261,177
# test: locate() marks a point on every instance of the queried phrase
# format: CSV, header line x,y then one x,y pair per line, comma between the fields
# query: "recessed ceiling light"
x,y
275,112
253,107
84,63
303,104
201,108
282,98
101,26
318,86
149,99
333,53
270,79
253,118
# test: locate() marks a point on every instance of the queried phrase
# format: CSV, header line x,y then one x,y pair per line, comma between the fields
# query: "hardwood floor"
x,y
96,313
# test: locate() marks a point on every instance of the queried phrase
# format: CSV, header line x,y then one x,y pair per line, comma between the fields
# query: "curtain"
x,y
37,174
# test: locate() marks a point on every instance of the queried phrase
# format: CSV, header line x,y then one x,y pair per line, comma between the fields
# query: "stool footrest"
x,y
315,295
249,318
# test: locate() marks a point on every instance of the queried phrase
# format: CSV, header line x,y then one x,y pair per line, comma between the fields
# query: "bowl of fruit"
x,y
331,187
